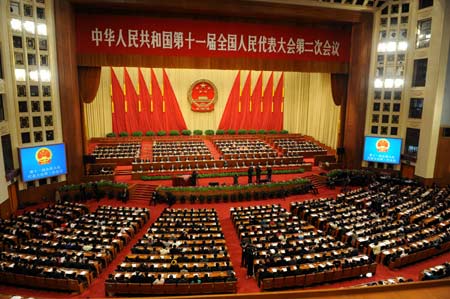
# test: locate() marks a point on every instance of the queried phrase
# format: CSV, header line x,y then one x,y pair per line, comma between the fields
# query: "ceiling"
x,y
362,5
309,12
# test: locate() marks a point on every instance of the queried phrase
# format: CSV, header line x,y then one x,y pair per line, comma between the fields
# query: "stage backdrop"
x,y
308,106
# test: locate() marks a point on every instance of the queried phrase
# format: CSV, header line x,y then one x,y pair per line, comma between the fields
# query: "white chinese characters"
x,y
213,42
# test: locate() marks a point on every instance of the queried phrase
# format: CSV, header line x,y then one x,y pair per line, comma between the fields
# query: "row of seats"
x,y
397,224
117,151
384,282
436,272
216,164
306,280
170,289
77,250
242,147
179,148
281,245
33,223
182,247
295,147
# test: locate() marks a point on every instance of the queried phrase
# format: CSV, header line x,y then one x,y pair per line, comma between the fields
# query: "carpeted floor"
x,y
97,289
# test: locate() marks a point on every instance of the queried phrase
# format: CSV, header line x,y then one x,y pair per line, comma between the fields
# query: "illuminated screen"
x,y
42,161
383,150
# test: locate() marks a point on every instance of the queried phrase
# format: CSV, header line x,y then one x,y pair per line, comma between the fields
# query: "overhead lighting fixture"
x,y
29,27
16,25
378,83
34,75
402,46
398,83
42,29
45,75
388,83
20,74
391,47
382,47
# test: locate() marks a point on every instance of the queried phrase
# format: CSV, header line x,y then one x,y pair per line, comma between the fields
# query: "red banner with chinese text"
x,y
132,35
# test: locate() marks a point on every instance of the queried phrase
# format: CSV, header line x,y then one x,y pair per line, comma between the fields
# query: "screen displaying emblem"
x,y
44,156
383,145
40,162
382,149
202,95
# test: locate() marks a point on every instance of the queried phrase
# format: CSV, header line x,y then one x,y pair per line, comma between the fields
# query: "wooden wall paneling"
x,y
213,63
68,89
9,206
13,197
357,92
407,170
442,165
36,195
263,10
5,209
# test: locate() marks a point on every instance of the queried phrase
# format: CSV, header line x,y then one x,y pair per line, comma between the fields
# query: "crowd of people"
x,y
275,243
182,246
73,245
436,272
292,147
117,151
389,221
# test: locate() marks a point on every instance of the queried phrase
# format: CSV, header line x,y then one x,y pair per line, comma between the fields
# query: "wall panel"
x,y
358,84
68,88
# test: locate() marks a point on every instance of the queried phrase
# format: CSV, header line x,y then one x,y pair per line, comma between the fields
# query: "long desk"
x,y
64,284
117,288
305,280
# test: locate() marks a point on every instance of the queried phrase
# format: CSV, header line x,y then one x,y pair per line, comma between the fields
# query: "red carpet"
x,y
212,148
97,289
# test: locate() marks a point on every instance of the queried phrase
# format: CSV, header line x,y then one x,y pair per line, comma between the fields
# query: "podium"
x,y
182,180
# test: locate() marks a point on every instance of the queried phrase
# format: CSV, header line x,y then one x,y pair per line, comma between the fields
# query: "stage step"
x,y
123,171
143,192
317,180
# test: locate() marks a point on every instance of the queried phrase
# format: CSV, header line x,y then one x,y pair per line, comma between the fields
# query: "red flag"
x,y
231,107
132,100
173,119
118,101
254,121
144,113
157,100
267,103
240,120
278,99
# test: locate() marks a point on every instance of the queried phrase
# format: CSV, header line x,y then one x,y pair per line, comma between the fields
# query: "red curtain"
x,y
132,106
173,118
118,102
256,103
278,99
266,108
339,84
88,82
145,99
157,102
231,107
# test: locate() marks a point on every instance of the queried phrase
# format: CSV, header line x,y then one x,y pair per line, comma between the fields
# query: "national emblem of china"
x,y
202,95
383,145
44,156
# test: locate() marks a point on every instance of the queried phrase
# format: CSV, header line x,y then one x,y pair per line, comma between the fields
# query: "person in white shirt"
x,y
159,280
